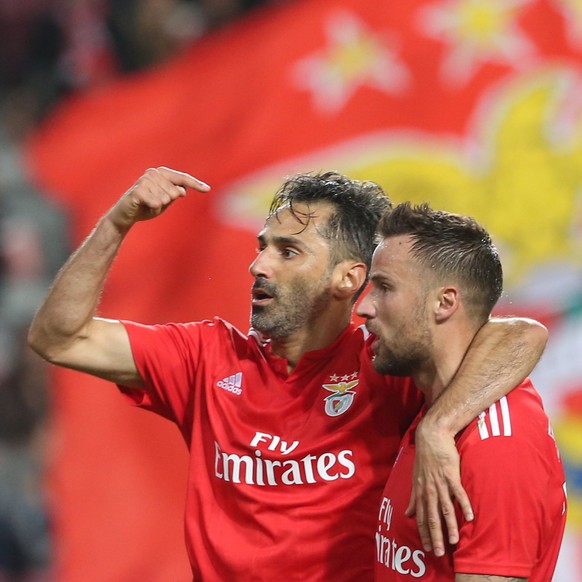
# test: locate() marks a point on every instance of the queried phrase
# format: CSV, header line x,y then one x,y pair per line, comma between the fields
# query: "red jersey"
x,y
286,470
511,470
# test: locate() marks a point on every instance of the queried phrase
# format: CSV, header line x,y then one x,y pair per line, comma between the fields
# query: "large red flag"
x,y
473,105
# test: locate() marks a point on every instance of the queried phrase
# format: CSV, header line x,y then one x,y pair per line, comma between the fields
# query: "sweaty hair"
x,y
451,246
358,206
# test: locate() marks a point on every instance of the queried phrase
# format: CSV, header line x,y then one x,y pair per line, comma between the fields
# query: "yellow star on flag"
x,y
355,56
476,32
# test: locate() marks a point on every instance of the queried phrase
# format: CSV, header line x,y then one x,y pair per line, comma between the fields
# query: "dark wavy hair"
x,y
358,206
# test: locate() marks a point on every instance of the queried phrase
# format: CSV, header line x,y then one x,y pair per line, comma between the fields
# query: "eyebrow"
x,y
281,240
378,277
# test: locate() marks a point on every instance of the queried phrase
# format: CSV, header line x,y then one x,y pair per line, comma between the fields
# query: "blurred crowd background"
x,y
50,49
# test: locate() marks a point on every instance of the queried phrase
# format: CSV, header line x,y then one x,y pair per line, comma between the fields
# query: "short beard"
x,y
291,315
395,366
411,353
272,327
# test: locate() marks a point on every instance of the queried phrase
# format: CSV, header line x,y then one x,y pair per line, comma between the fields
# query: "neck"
x,y
448,350
318,334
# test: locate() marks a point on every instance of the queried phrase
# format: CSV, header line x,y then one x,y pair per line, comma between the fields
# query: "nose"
x,y
365,307
260,266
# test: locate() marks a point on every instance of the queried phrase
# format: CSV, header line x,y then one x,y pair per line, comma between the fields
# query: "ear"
x,y
448,300
348,277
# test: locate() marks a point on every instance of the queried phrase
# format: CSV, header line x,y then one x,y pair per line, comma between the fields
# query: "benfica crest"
x,y
342,397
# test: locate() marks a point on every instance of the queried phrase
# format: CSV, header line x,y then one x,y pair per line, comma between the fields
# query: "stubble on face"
x,y
408,348
298,292
294,305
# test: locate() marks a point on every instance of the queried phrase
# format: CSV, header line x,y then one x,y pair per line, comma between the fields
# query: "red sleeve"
x,y
166,357
511,471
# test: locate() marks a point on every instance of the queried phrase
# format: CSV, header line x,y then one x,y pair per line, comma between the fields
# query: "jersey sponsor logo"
x,y
232,383
496,421
342,395
399,558
256,469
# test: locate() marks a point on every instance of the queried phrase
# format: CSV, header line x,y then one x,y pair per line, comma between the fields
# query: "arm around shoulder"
x,y
524,338
502,354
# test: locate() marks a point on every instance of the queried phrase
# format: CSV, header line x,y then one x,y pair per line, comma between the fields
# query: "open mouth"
x,y
260,296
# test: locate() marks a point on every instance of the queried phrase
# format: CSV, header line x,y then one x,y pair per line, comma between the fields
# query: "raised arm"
x,y
502,354
65,330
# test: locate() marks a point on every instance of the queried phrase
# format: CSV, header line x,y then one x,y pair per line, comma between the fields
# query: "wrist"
x,y
121,225
435,425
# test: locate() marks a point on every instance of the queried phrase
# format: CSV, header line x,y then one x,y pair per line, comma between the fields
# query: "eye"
x,y
381,287
289,253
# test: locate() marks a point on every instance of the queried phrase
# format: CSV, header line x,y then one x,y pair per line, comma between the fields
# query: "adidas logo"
x,y
231,383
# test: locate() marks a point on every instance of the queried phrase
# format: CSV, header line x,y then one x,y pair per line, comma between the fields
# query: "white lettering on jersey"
x,y
232,383
496,421
274,442
270,472
401,559
386,511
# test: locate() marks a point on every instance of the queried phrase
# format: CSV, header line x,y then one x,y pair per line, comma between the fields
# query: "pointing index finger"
x,y
183,179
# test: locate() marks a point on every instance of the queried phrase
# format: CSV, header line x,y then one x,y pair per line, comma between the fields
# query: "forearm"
x,y
502,354
71,302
